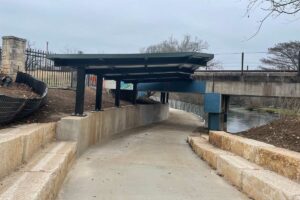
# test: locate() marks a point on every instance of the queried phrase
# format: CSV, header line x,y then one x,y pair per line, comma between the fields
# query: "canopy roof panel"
x,y
136,67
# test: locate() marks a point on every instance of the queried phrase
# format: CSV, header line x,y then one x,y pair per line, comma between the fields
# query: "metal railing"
x,y
37,65
242,62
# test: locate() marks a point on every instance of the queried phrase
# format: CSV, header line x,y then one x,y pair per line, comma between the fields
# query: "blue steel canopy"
x,y
134,68
149,67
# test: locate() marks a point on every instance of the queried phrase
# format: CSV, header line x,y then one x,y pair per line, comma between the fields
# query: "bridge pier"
x,y
217,106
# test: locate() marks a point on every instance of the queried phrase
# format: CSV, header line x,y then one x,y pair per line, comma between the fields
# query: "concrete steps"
x,y
279,160
249,177
33,165
42,176
18,145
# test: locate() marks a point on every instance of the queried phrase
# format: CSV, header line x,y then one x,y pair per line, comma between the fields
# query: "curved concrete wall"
x,y
97,126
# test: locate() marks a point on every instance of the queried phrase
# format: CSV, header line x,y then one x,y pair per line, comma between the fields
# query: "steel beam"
x,y
145,76
154,80
138,59
192,86
120,70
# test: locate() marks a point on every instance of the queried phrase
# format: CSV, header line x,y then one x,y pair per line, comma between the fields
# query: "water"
x,y
240,119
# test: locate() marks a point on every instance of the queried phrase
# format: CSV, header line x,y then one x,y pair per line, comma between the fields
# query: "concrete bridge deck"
x,y
153,162
251,83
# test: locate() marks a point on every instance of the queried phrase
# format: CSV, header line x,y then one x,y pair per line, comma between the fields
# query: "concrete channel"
x,y
151,162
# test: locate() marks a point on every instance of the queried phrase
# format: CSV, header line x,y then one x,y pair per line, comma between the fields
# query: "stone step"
x,y
267,185
42,176
252,179
206,151
281,161
232,167
19,144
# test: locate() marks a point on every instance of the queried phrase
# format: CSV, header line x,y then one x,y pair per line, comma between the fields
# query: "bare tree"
x,y
273,8
283,56
187,44
278,7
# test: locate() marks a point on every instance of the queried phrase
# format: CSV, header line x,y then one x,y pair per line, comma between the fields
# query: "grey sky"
x,y
125,26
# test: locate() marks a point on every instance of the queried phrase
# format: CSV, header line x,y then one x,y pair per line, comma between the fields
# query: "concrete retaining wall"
x,y
97,126
17,145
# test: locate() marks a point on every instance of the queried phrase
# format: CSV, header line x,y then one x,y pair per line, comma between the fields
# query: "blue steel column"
x,y
79,104
216,105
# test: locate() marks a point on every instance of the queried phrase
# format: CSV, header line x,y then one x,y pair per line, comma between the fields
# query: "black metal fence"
x,y
37,65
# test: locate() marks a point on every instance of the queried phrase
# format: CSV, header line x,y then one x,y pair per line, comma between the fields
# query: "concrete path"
x,y
153,162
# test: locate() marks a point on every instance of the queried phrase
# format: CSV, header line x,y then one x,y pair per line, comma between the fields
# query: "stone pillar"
x,y
13,55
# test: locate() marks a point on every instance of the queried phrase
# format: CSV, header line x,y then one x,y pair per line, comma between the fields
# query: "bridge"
x,y
218,85
271,83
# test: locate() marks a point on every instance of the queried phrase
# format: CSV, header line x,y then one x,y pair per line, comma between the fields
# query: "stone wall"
x,y
98,126
13,55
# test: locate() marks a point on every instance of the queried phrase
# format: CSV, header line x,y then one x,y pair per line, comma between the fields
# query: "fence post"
x,y
13,55
299,63
242,64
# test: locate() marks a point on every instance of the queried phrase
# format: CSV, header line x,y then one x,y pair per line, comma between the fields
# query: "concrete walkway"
x,y
153,162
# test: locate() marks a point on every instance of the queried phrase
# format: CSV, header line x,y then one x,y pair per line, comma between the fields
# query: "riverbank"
x,y
283,132
280,111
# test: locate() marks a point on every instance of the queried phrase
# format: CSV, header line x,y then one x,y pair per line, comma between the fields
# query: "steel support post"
x,y
167,98
225,109
79,104
99,88
299,63
117,93
242,64
163,97
134,93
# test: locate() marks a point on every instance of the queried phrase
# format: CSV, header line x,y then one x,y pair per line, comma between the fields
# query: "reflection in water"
x,y
240,119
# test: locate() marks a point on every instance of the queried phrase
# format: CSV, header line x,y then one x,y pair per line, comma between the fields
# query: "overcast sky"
x,y
125,26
